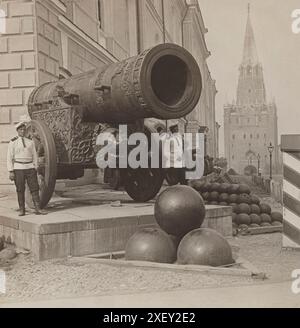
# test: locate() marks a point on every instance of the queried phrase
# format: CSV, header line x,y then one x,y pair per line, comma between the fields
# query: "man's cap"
x,y
19,125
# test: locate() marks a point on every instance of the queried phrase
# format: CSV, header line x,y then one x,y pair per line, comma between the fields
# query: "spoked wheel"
x,y
143,185
46,151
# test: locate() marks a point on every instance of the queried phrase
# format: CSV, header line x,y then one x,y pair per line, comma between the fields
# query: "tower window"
x,y
257,136
251,136
244,136
233,136
233,157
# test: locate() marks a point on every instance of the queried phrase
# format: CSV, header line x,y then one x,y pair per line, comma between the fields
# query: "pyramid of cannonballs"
x,y
248,210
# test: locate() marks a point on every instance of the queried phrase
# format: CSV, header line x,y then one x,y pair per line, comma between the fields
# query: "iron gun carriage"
x,y
163,82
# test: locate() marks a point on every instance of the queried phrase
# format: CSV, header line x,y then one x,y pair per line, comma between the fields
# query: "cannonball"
x,y
254,225
233,189
277,216
255,209
244,198
179,209
197,184
244,189
151,245
206,187
204,247
243,219
255,200
265,208
223,197
265,224
223,188
255,218
277,224
265,218
243,227
214,196
214,186
243,208
223,204
233,198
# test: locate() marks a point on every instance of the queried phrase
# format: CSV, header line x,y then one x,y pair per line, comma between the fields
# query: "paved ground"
x,y
65,283
273,295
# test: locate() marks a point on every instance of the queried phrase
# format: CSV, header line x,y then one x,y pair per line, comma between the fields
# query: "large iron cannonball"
x,y
277,217
179,210
204,247
151,245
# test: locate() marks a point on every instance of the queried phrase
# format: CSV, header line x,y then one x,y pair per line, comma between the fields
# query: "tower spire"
x,y
250,53
251,87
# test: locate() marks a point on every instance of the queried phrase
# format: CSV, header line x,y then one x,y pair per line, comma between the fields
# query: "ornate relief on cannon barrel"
x,y
163,82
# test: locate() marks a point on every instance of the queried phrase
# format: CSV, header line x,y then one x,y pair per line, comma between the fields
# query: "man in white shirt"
x,y
22,164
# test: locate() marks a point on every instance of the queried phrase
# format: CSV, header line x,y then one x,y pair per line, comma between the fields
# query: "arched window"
x,y
245,136
233,136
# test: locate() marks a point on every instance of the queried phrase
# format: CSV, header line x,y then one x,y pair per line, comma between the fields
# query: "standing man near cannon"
x,y
22,164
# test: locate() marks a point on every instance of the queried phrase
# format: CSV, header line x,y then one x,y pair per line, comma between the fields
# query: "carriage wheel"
x,y
172,177
46,151
143,185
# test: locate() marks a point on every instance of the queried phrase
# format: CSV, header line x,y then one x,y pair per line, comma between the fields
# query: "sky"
x,y
278,50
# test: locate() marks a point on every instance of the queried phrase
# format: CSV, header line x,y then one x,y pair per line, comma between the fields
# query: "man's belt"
x,y
19,162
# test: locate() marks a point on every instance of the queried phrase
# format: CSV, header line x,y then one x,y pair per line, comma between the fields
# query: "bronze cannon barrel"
x,y
163,82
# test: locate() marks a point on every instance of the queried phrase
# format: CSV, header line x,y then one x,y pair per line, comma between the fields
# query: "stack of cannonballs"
x,y
179,212
248,211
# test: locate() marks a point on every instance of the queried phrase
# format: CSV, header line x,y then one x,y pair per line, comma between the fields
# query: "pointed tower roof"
x,y
250,53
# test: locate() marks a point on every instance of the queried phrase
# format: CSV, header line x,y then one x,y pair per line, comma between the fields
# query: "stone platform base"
x,y
77,228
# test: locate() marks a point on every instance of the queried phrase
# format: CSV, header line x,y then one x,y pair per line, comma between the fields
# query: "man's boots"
x,y
21,201
36,202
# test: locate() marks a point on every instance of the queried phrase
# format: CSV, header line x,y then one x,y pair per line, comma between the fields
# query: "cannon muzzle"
x,y
163,82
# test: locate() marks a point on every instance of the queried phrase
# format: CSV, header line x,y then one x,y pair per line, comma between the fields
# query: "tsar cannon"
x,y
67,116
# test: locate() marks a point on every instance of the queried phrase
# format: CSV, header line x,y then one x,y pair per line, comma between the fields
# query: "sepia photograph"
x,y
149,156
